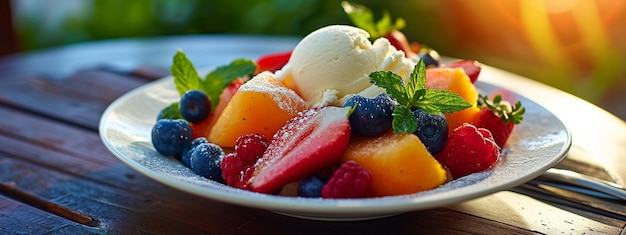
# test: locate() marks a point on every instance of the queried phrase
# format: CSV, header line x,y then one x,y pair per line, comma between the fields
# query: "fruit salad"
x,y
350,112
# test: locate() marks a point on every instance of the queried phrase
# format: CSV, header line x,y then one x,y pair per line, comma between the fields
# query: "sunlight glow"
x,y
560,6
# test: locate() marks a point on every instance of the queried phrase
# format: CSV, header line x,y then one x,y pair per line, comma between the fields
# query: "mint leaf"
x,y
441,101
185,75
404,120
170,112
416,86
417,80
415,95
384,26
392,83
218,79
363,18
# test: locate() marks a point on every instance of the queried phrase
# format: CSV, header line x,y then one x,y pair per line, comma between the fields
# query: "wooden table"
x,y
57,177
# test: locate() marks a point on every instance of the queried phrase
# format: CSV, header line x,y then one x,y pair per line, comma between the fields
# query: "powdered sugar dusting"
x,y
291,133
286,99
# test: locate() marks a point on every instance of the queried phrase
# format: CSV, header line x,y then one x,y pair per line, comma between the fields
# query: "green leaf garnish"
x,y
171,112
415,95
392,83
441,101
503,109
221,77
404,120
363,18
186,76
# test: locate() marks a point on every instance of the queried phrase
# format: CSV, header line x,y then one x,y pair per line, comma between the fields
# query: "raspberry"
x,y
236,171
237,167
349,181
468,150
249,147
232,168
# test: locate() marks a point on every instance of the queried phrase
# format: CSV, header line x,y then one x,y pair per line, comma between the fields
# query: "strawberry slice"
x,y
311,141
398,40
272,62
468,150
499,117
471,67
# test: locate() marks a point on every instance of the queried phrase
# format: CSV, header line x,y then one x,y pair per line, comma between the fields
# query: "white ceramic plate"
x,y
537,144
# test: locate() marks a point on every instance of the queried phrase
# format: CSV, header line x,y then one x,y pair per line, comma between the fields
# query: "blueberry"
x,y
431,57
205,161
432,130
195,106
170,137
185,158
372,116
311,186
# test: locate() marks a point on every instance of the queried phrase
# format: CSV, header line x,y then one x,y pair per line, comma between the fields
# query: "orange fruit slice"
x,y
399,163
456,81
260,106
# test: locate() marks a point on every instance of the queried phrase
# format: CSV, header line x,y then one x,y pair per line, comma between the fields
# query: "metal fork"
x,y
597,186
579,191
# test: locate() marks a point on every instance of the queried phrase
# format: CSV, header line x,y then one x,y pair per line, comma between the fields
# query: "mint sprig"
x,y
415,95
186,76
218,79
363,18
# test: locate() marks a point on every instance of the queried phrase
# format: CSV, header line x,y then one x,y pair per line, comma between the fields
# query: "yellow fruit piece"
x,y
261,105
457,119
399,164
455,80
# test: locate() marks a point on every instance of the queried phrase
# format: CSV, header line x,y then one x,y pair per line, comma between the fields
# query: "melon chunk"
x,y
456,81
399,163
260,106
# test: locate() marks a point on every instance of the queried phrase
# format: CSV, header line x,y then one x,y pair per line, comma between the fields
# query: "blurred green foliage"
x,y
105,19
506,35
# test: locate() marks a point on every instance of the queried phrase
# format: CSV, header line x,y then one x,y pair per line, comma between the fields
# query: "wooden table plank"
x,y
525,212
19,218
80,99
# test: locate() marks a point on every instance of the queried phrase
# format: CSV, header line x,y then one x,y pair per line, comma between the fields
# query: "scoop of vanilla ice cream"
x,y
333,63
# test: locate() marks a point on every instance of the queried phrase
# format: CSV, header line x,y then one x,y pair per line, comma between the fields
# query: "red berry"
x,y
471,67
199,128
251,147
499,117
272,62
468,151
498,128
237,167
398,40
311,141
232,170
349,181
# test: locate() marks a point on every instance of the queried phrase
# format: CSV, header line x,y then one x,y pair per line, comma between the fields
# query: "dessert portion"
x,y
337,117
334,62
